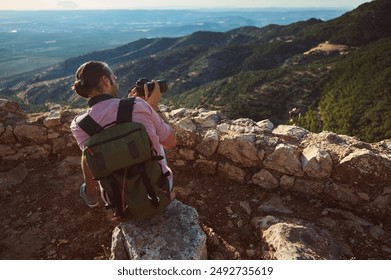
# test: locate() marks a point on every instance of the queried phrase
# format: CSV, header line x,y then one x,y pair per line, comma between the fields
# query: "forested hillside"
x,y
357,101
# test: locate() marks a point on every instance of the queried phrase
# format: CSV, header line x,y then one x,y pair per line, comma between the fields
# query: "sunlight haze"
x,y
171,4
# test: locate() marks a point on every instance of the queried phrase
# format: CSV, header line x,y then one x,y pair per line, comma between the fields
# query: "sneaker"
x,y
90,200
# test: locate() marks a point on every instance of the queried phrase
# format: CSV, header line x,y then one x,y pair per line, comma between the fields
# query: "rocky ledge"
x,y
354,174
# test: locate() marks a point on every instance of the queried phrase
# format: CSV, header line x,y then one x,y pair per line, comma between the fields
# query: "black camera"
x,y
142,81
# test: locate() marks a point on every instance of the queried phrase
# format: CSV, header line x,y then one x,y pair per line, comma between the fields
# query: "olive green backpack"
x,y
120,155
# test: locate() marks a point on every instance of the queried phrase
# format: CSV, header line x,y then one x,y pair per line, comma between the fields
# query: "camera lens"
x,y
162,85
142,81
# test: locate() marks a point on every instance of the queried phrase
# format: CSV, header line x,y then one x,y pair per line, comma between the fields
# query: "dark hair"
x,y
88,77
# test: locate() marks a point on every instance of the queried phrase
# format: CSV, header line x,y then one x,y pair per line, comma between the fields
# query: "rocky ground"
x,y
44,218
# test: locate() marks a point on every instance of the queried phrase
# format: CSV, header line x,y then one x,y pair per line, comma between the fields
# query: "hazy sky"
x,y
158,4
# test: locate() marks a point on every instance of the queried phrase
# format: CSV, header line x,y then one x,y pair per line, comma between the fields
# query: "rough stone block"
x,y
173,235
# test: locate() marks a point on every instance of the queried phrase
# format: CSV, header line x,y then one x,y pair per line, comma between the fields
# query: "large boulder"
x,y
241,150
173,235
30,133
298,240
207,119
317,163
209,144
285,159
265,180
230,171
364,167
292,131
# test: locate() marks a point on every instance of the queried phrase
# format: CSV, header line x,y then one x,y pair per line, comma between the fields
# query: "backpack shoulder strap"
x,y
125,110
88,125
91,127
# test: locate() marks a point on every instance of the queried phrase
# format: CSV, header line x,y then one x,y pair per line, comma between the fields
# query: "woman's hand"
x,y
154,97
132,92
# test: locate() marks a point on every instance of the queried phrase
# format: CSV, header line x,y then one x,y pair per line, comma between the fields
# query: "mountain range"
x,y
30,40
323,75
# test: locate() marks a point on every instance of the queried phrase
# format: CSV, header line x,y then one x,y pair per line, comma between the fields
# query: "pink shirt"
x,y
105,112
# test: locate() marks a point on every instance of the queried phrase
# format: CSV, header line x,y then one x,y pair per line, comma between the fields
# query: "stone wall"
x,y
27,140
26,137
341,168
